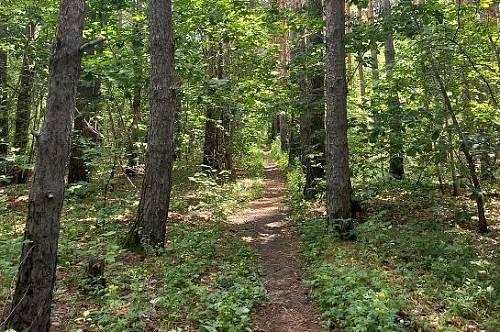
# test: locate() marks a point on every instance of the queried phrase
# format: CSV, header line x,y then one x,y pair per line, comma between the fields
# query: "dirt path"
x,y
264,224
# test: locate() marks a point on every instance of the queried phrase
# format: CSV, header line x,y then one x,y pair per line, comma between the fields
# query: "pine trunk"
x,y
4,106
337,150
313,118
396,166
361,70
373,46
155,196
24,97
132,149
36,277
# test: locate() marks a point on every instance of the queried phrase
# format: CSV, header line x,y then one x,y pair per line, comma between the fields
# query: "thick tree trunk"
x,y
155,196
337,150
4,106
24,97
396,166
213,145
313,118
32,299
347,8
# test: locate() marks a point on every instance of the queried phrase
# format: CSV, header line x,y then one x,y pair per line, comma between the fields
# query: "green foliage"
x,y
216,201
280,157
197,280
404,270
350,295
295,183
81,190
252,162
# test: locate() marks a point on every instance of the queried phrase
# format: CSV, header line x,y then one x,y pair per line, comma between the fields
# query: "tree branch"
x,y
92,43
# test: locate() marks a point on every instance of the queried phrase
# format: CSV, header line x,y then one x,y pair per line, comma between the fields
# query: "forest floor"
x,y
265,224
251,253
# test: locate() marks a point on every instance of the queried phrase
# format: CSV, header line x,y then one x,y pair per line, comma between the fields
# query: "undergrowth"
x,y
415,264
205,278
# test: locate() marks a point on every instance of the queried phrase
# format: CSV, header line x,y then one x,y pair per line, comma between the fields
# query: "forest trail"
x,y
265,225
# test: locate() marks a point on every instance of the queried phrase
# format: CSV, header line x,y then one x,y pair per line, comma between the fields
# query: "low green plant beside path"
x,y
198,281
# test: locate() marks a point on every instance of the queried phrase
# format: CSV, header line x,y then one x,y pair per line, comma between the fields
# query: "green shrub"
x,y
280,157
253,162
295,183
350,295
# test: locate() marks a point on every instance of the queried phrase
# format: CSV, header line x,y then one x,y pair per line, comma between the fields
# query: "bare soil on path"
x,y
265,225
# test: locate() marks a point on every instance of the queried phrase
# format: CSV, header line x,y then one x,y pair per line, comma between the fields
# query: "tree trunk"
x,y
464,144
396,166
284,132
213,146
361,70
4,106
227,124
155,196
313,117
210,144
24,97
32,299
454,177
83,135
347,16
373,46
337,150
132,150
295,141
361,73
275,128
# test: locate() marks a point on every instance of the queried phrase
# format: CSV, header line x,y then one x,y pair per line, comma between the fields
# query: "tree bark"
x,y
4,105
213,145
284,132
361,70
210,143
275,128
132,153
337,150
24,97
155,196
312,122
373,46
87,96
32,299
396,166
